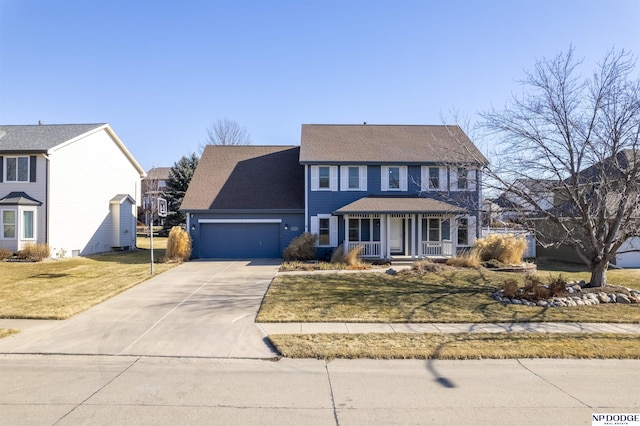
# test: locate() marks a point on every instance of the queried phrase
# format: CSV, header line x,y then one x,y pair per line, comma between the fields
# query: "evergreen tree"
x,y
179,178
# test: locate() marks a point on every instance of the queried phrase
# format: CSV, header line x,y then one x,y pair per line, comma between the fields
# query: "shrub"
x,y
178,244
337,255
5,253
557,285
510,288
506,249
425,266
34,252
302,247
467,260
352,257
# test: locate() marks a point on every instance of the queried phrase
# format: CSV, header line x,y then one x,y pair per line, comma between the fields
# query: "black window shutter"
x,y
32,168
1,168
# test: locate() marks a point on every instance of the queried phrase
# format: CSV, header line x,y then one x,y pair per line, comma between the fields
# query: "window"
x,y
8,224
326,227
28,225
463,182
324,178
394,178
354,229
353,178
324,231
17,169
434,178
463,232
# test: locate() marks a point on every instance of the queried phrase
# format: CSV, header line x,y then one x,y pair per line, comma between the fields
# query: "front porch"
x,y
401,236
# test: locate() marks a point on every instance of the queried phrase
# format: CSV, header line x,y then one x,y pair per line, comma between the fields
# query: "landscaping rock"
x,y
391,271
622,298
576,287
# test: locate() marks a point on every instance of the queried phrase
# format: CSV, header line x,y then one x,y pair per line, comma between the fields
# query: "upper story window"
x,y
463,179
433,178
17,169
394,178
353,178
324,178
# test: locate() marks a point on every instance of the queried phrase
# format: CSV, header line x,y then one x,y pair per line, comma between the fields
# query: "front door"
x,y
396,242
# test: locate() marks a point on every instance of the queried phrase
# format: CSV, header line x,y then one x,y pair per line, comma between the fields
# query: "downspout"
x,y
306,198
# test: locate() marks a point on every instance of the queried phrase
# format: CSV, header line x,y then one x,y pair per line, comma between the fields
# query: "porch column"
x,y
383,232
413,236
454,236
419,239
387,236
345,245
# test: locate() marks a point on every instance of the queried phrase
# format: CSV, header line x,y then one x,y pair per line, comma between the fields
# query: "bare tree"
x,y
227,132
579,140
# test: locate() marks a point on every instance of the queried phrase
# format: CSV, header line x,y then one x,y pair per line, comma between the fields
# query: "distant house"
x,y
155,180
154,186
72,186
395,191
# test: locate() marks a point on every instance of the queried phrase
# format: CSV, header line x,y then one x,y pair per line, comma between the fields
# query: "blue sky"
x,y
160,72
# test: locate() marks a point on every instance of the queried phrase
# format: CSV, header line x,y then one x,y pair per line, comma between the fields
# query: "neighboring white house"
x,y
74,187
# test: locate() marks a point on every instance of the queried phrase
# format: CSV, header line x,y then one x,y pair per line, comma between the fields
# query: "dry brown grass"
x,y
34,252
302,247
458,345
59,289
506,249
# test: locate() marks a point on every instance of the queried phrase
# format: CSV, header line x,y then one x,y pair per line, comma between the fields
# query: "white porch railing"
x,y
437,248
369,248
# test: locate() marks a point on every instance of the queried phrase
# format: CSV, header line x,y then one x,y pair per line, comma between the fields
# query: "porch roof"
x,y
19,199
398,205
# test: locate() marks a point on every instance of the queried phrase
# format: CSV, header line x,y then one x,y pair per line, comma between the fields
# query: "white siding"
x,y
36,190
84,176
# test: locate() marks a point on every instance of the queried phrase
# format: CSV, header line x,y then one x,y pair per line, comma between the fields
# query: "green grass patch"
x,y
458,345
451,295
60,289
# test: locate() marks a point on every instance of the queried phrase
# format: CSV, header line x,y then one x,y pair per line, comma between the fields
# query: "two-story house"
x,y
71,186
395,191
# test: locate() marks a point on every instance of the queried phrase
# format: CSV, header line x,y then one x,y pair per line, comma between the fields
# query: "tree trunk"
x,y
599,274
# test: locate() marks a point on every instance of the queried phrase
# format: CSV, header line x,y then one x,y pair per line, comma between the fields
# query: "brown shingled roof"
x,y
398,205
238,177
338,143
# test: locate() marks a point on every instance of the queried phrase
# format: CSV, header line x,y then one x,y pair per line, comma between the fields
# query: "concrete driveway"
x,y
198,309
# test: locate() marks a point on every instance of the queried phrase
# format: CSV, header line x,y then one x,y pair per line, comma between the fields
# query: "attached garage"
x,y
239,239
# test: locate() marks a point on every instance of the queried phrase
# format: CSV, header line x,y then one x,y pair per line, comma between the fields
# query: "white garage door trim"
x,y
239,220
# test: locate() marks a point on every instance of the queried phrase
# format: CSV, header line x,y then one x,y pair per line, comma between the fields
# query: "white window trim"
x,y
5,169
15,224
35,224
425,177
471,230
344,178
471,179
315,178
333,228
384,179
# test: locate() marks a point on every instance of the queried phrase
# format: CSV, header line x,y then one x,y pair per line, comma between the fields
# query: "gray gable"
x,y
39,138
405,144
247,178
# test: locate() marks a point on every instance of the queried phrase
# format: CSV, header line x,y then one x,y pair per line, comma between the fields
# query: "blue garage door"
x,y
239,240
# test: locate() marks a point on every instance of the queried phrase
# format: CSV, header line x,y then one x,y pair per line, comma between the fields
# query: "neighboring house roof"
x,y
40,138
246,178
19,199
158,173
406,144
45,138
398,205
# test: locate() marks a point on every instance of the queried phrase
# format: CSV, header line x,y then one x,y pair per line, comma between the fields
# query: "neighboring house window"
x,y
8,224
324,178
353,178
326,227
17,169
463,179
394,178
28,224
433,178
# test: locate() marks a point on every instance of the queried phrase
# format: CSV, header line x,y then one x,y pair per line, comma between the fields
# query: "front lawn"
x,y
453,295
59,289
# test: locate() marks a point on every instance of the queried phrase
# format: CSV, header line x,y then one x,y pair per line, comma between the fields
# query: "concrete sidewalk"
x,y
533,327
